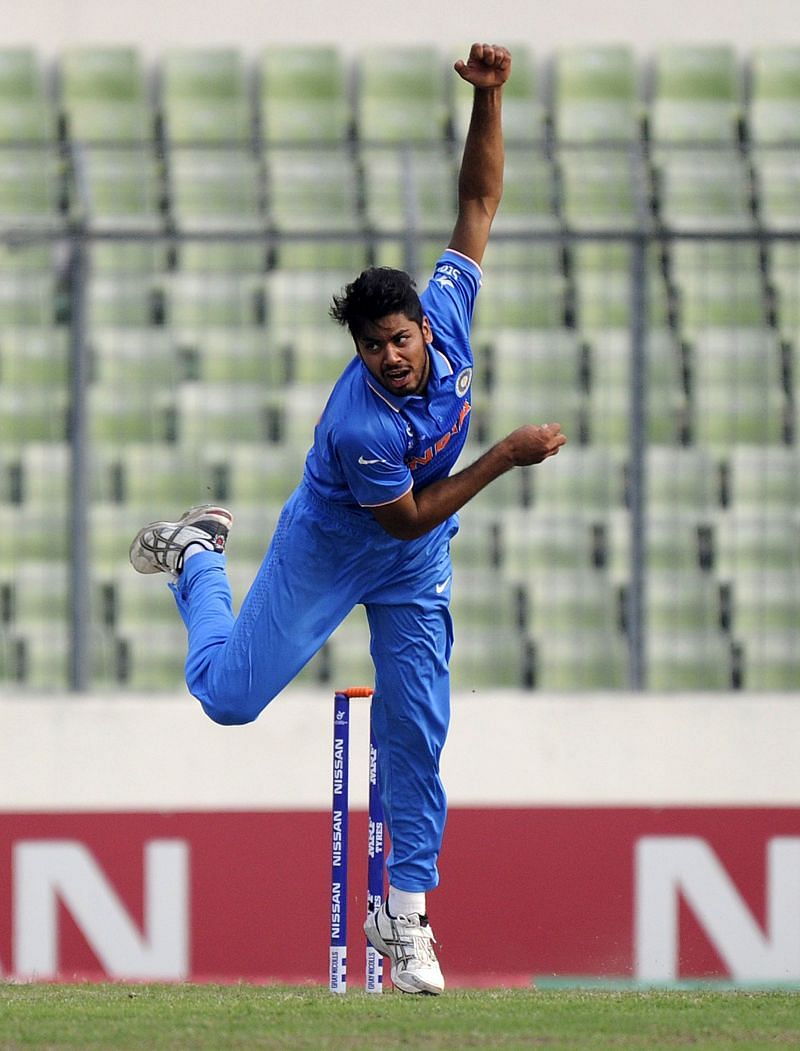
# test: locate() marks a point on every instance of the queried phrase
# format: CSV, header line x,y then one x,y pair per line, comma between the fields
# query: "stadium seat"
x,y
34,413
600,190
215,189
774,113
151,656
525,298
533,539
151,478
777,174
303,95
764,478
738,394
682,660
529,195
485,659
603,280
197,301
410,189
697,95
583,480
567,601
120,300
682,479
104,95
771,661
703,190
311,191
401,95
586,660
204,97
26,114
718,285
33,356
119,414
765,601
31,189
596,94
783,273
758,540
128,358
683,601
234,354
120,188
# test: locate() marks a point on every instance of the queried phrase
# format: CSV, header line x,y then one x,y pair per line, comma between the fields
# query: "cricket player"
x,y
371,522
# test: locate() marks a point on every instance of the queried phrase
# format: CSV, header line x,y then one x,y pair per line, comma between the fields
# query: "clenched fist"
x,y
488,66
533,443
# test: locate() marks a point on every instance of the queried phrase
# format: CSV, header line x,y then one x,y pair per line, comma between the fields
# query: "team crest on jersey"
x,y
463,380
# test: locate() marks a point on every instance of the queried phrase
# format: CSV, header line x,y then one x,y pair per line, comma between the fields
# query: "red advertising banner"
x,y
638,893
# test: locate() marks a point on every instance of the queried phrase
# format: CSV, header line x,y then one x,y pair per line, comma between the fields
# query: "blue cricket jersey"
x,y
371,446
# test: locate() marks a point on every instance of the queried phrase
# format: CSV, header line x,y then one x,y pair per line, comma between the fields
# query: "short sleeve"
x,y
374,466
449,302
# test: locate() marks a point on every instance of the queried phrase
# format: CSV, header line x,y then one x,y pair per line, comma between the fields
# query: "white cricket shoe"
x,y
408,942
159,546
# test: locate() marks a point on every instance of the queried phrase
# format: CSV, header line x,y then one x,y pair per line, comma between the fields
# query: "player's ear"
x,y
427,331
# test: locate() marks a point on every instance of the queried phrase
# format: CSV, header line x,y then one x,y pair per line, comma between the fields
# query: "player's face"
x,y
395,351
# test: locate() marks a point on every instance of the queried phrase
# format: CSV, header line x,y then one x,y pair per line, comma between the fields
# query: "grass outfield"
x,y
119,1017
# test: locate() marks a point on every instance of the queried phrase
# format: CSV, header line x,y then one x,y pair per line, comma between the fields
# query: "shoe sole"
x,y
200,513
375,940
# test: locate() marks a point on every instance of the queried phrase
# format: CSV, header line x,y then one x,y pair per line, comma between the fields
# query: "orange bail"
x,y
357,691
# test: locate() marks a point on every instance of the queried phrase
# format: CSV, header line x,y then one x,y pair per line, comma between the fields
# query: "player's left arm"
x,y
480,180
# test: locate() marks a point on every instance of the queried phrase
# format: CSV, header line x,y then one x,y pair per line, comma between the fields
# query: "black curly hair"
x,y
376,293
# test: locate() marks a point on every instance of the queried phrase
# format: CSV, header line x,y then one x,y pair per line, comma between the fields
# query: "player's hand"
x,y
533,443
488,66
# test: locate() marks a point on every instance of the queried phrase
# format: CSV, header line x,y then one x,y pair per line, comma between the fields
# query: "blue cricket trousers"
x,y
324,560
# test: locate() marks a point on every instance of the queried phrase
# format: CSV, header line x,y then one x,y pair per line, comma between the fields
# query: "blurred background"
x,y
182,189
178,201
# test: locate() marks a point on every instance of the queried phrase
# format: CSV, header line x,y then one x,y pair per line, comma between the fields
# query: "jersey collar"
x,y
440,367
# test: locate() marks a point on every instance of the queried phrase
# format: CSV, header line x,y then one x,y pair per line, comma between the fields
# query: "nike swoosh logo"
x,y
362,460
440,587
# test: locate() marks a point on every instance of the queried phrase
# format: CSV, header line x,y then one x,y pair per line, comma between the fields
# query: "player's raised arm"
x,y
480,180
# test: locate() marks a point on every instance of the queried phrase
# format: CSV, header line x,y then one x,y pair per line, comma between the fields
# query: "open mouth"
x,y
397,377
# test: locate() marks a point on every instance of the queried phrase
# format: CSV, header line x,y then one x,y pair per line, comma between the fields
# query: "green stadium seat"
x,y
529,196
401,95
39,474
585,660
149,477
523,298
532,539
216,412
583,480
151,656
217,258
26,114
410,189
774,114
603,281
34,356
120,300
122,188
255,473
760,540
704,190
232,354
104,95
683,601
197,301
296,299
600,190
783,271
303,95
777,173
123,414
765,601
682,479
485,659
213,189
311,191
31,188
204,97
33,532
523,109
719,285
697,95
764,477
772,661
116,257
477,543
36,597
34,413
564,602
596,94
132,357
682,660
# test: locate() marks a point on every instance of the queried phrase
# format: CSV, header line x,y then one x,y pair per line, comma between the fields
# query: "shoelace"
x,y
419,939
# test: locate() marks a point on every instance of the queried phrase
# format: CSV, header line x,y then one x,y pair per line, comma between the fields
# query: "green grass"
x,y
120,1017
